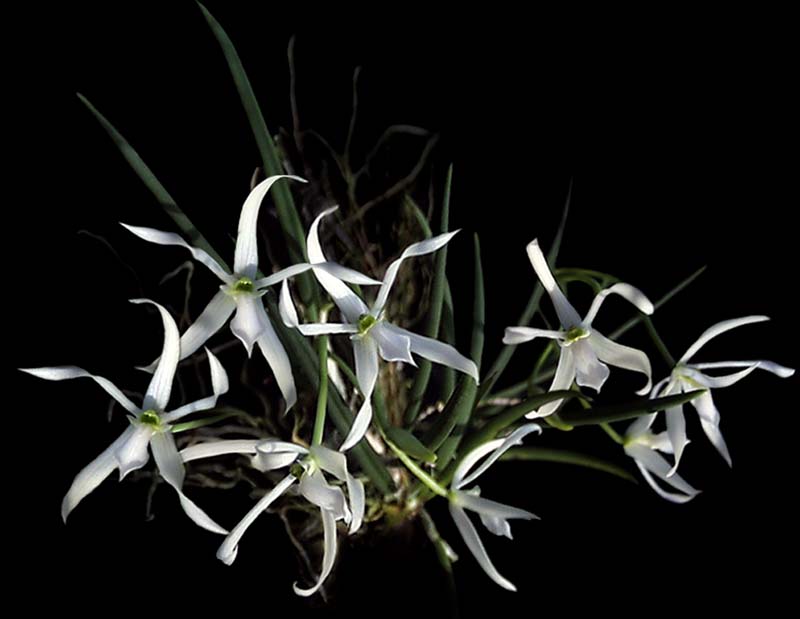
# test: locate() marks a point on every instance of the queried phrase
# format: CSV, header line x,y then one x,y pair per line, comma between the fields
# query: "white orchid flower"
x,y
373,337
149,425
272,454
494,516
641,444
241,292
687,376
584,351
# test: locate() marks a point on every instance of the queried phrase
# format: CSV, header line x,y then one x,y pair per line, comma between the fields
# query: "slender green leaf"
x,y
566,456
434,310
287,213
152,183
500,364
623,412
448,334
410,444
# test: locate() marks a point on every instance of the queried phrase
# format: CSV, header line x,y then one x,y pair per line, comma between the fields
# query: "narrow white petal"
x,y
346,300
273,454
475,545
345,274
669,496
664,385
627,292
650,461
491,508
329,556
328,498
360,426
640,426
326,328
622,357
132,454
93,474
589,370
249,321
213,449
769,366
169,238
67,372
676,431
417,249
160,387
286,307
717,382
565,375
283,275
230,547
520,335
437,351
271,446
272,348
219,386
718,329
335,463
497,447
709,419
245,260
566,313
365,353
171,468
392,346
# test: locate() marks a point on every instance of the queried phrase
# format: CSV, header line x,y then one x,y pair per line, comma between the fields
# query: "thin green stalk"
x,y
612,433
660,345
322,395
412,466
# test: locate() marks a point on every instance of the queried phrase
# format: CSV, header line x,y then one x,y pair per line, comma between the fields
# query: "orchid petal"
x,y
328,498
93,474
335,463
475,545
67,372
336,270
218,448
621,356
346,300
565,375
627,292
272,348
417,249
272,454
169,238
392,346
171,468
245,261
365,352
329,556
230,547
497,526
437,351
649,462
520,335
718,329
283,275
567,314
160,387
717,382
769,366
132,454
497,447
249,321
219,386
491,508
709,420
676,430
640,426
589,370
360,426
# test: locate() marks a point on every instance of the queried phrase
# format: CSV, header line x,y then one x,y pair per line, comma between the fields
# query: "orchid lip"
x,y
243,285
574,334
150,418
365,323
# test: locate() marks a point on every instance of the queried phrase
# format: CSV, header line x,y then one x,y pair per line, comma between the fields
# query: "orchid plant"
x,y
351,454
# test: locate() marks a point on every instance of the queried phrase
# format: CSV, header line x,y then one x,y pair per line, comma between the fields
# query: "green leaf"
x,y
448,334
410,444
287,213
224,413
623,412
434,310
500,364
152,183
566,456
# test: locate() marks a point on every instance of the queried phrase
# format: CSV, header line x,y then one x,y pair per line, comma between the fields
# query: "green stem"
x,y
613,434
412,466
660,345
322,396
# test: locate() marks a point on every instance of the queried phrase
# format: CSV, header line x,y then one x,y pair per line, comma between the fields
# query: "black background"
x,y
679,135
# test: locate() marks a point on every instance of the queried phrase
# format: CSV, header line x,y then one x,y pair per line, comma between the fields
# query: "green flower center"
x,y
297,470
150,418
575,334
244,284
365,323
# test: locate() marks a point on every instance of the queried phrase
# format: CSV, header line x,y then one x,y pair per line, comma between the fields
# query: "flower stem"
x,y
660,345
612,433
322,397
412,466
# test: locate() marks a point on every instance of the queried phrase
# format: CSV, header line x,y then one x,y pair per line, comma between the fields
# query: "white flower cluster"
x,y
585,355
